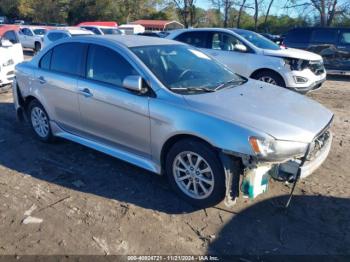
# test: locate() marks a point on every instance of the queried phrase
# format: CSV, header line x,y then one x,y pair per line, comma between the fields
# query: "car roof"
x,y
99,26
72,31
33,27
131,40
319,28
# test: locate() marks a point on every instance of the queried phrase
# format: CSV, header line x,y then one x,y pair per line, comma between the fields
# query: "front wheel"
x,y
195,173
271,78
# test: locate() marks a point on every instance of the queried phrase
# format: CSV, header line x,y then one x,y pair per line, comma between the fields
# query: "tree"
x,y
226,5
326,9
241,8
186,9
267,13
256,14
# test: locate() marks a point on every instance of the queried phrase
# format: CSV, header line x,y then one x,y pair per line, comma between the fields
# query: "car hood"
x,y
278,112
293,53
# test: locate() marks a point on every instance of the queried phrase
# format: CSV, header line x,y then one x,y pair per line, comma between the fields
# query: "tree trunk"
x,y
332,13
240,13
256,15
267,13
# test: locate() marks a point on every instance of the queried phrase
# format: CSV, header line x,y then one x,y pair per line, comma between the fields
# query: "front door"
x,y
222,47
323,42
111,114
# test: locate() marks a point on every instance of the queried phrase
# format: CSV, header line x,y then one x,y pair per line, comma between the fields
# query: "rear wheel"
x,y
270,77
40,121
195,173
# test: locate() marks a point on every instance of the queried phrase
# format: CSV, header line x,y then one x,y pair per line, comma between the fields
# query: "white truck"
x,y
32,37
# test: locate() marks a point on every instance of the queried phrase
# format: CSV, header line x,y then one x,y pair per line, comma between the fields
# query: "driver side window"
x,y
106,65
27,32
224,42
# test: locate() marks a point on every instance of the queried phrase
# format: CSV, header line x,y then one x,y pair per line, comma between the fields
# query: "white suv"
x,y
32,37
252,55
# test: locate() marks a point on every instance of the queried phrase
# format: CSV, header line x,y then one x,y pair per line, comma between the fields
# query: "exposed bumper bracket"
x,y
232,179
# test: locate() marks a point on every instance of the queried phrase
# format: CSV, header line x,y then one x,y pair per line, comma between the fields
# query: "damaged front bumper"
x,y
311,163
256,173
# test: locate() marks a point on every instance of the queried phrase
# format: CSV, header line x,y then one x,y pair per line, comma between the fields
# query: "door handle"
x,y
85,92
342,47
42,80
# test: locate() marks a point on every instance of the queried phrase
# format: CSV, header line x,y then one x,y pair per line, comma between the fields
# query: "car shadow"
x,y
316,225
82,169
340,78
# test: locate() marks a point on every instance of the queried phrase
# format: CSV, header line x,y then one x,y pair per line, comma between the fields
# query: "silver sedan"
x,y
171,109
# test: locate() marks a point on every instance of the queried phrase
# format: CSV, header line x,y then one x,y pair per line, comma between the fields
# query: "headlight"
x,y
8,63
295,64
277,150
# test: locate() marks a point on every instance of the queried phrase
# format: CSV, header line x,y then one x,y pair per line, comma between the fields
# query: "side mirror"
x,y
240,48
5,43
133,83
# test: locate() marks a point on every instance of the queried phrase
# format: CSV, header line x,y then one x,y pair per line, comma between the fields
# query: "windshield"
x,y
39,31
258,40
111,31
185,69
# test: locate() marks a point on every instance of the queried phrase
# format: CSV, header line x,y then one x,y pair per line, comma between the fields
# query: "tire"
x,y
215,189
266,75
37,47
40,122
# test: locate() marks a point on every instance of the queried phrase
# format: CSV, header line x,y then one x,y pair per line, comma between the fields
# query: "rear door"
x,y
57,82
343,50
324,42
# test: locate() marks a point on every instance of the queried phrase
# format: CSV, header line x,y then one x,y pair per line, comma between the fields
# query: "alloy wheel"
x,y
193,175
40,122
268,79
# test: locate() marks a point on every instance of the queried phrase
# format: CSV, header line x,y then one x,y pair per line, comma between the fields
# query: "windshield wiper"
x,y
233,82
201,89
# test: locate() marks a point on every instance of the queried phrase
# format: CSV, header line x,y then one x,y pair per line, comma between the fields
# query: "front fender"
x,y
168,121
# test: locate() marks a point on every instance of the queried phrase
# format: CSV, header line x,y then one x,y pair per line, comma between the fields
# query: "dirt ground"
x,y
84,202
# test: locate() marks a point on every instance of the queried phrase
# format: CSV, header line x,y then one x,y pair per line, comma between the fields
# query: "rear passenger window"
x,y
324,36
56,36
45,61
106,65
197,39
67,58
